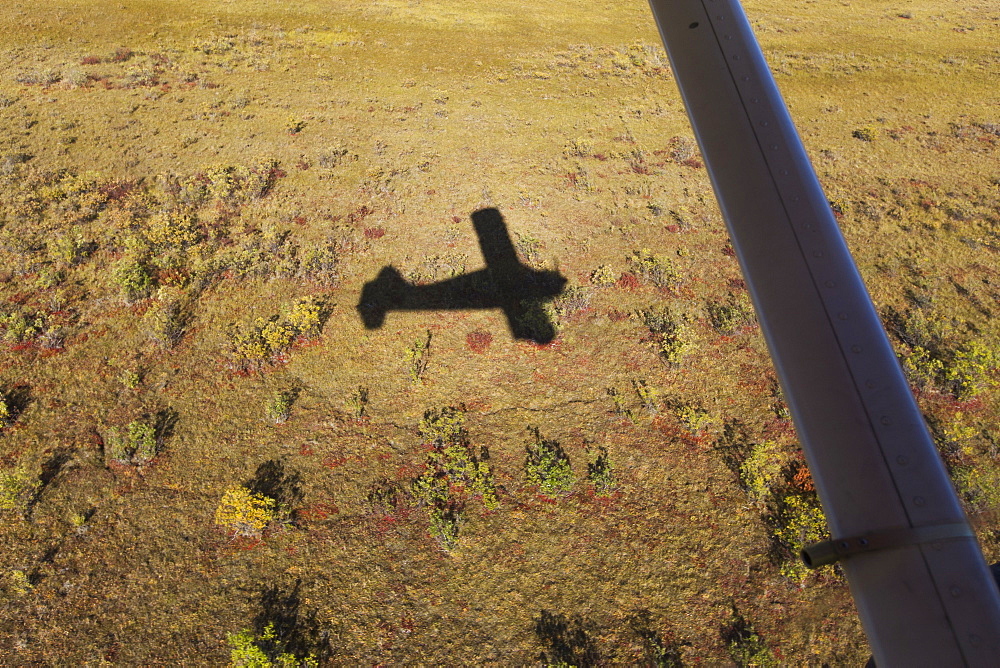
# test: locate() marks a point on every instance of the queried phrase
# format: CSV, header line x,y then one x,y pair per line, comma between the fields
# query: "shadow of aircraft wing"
x,y
391,292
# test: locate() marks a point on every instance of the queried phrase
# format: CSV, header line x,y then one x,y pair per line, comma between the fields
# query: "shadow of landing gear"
x,y
505,283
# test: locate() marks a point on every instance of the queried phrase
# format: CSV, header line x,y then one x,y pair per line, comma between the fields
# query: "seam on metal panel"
x,y
812,276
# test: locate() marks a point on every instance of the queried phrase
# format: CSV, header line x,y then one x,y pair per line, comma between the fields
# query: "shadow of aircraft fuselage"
x,y
505,283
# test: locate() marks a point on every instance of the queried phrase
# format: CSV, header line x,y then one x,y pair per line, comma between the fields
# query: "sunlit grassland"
x,y
178,178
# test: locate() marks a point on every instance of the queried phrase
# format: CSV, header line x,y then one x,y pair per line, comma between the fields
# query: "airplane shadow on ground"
x,y
505,283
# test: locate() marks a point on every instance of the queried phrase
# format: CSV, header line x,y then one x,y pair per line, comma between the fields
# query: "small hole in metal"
x,y
693,25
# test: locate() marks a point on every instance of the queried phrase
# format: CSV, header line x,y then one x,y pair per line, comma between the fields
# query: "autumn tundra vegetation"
x,y
205,456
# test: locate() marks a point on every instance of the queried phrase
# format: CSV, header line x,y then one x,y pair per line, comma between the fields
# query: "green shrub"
x,y
137,446
547,466
979,486
444,525
164,323
19,326
130,378
443,426
600,473
921,368
537,318
416,357
745,646
621,408
357,403
671,335
730,316
693,418
17,489
8,412
69,249
453,458
454,472
867,133
603,275
656,269
279,407
432,489
264,651
133,278
49,278
970,369
648,395
17,583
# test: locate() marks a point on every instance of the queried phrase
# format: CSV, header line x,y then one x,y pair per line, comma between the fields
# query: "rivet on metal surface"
x,y
955,591
753,100
817,253
919,501
902,461
870,384
774,147
855,349
842,315
830,284
885,420
736,57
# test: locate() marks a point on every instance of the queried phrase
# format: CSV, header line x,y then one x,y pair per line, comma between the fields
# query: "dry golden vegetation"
x,y
205,457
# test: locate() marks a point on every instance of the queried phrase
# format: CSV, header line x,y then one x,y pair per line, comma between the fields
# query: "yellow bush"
x,y
800,523
762,471
244,512
276,335
603,275
306,317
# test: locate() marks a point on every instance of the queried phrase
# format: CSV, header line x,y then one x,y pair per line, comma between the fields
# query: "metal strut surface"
x,y
874,463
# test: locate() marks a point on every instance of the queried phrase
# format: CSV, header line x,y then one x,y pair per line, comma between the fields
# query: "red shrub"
x,y
628,281
478,341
